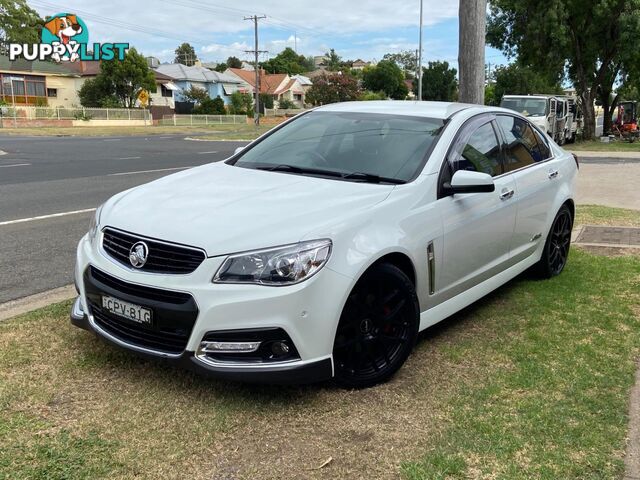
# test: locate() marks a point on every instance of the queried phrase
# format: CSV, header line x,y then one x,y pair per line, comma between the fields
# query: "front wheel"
x,y
377,329
556,249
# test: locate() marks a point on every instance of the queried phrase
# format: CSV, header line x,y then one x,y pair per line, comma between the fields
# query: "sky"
x,y
365,29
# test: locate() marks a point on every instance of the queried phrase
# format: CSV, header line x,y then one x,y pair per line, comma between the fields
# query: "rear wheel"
x,y
377,329
556,249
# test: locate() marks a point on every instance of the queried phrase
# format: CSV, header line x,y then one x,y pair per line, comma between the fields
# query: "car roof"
x,y
439,110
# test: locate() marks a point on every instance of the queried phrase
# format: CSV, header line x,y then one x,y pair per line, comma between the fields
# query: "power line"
x,y
256,52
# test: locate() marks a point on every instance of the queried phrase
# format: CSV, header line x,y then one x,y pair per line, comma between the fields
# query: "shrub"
x,y
286,104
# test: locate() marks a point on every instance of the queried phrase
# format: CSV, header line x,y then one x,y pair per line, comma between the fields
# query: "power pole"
x,y
256,52
473,24
420,57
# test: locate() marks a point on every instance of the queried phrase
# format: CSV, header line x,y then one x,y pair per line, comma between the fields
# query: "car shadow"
x,y
169,377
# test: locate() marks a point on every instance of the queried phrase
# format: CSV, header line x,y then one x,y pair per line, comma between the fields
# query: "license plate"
x,y
127,310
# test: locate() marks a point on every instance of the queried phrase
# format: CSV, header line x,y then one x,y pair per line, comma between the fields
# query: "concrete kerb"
x,y
28,304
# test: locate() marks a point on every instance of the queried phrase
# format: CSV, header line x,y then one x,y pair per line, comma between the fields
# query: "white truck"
x,y
555,114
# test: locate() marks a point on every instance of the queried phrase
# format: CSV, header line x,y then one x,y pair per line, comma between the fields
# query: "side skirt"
x,y
446,309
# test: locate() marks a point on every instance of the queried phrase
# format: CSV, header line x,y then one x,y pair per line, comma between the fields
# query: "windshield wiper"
x,y
372,178
294,169
358,176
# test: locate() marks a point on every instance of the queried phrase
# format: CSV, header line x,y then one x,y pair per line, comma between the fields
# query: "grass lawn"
x,y
597,215
220,131
598,146
530,382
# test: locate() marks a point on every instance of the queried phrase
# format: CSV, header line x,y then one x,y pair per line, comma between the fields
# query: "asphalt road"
x,y
45,176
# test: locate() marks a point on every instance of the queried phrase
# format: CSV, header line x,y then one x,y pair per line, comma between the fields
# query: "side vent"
x,y
431,260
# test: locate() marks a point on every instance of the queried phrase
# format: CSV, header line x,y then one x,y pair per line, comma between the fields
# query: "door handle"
x,y
507,194
553,174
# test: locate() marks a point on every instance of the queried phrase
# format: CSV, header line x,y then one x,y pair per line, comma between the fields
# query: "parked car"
x,y
322,248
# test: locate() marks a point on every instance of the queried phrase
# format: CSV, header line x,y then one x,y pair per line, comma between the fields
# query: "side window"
x,y
521,143
481,153
544,152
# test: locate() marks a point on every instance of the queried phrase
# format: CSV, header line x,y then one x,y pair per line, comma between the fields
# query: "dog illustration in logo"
x,y
65,28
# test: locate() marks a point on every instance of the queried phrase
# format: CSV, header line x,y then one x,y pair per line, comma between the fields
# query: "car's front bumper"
x,y
303,311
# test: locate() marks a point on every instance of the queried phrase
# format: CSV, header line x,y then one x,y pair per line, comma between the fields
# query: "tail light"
x,y
575,157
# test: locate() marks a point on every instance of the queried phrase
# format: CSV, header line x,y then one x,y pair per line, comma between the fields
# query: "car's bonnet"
x,y
226,209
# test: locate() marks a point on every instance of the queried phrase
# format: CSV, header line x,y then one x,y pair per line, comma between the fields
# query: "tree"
x,y
407,60
234,62
221,67
334,61
128,77
186,55
439,82
287,61
385,77
195,95
516,79
333,88
19,23
472,14
97,93
590,38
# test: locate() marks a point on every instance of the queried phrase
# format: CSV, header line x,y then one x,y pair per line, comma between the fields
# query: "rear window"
x,y
392,146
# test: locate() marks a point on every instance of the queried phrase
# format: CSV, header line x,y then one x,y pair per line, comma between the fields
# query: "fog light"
x,y
229,347
280,348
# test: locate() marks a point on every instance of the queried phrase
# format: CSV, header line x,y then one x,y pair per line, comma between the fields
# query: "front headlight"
x,y
94,226
275,266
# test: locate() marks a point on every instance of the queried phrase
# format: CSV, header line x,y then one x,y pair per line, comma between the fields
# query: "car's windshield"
x,y
352,146
530,107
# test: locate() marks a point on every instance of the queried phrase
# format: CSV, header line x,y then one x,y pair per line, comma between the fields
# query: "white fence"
x,y
281,112
76,113
182,120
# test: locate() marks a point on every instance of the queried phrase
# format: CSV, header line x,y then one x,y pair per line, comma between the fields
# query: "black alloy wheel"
x,y
377,329
556,249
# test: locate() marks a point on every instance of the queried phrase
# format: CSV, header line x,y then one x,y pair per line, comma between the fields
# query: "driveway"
x,y
613,182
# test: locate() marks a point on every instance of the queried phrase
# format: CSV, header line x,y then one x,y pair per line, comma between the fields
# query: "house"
x,y
304,81
279,85
163,96
24,82
216,84
360,65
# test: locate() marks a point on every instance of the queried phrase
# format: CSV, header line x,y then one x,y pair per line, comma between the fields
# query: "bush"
x,y
368,95
286,104
241,103
210,106
266,100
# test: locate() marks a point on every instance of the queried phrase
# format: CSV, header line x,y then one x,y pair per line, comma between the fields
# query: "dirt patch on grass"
x,y
609,251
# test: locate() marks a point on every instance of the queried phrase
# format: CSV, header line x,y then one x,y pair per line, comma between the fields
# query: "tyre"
x,y
556,248
377,329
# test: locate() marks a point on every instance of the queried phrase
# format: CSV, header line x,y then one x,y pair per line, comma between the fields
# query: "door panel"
x,y
535,182
477,227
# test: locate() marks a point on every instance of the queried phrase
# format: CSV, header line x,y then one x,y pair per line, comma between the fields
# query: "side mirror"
x,y
465,181
238,150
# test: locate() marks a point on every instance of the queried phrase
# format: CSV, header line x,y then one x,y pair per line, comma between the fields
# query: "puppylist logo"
x,y
65,38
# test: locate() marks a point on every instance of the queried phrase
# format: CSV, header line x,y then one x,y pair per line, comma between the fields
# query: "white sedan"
x,y
321,249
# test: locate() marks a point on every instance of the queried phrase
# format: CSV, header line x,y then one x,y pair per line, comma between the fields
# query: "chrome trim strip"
x,y
431,259
129,346
255,366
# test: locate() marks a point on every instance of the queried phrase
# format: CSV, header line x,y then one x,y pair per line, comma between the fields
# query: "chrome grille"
x,y
162,257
